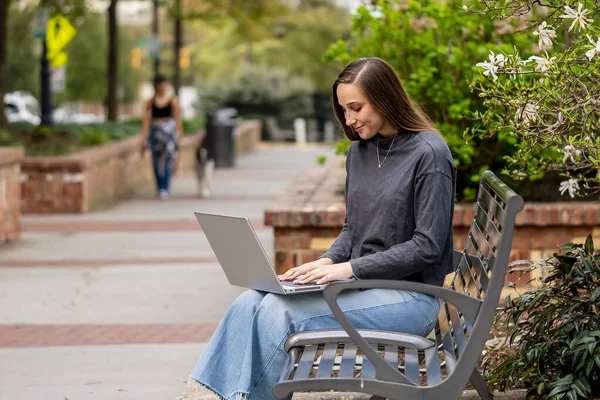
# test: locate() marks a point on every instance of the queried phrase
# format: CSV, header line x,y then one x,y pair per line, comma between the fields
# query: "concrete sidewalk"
x,y
119,303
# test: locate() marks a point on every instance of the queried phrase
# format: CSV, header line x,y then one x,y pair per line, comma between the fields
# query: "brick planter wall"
x,y
101,176
309,215
10,193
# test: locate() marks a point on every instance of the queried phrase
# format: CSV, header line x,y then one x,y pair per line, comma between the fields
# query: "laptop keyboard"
x,y
292,284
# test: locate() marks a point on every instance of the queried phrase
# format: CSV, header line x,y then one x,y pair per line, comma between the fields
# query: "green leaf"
x,y
557,390
589,245
595,295
541,388
567,380
588,367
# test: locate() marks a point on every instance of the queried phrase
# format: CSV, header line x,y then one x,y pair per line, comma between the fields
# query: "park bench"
x,y
402,366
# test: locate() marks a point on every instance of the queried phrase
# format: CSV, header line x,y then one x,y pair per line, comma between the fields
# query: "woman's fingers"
x,y
312,276
295,272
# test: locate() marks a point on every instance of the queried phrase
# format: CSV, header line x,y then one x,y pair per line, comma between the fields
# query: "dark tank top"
x,y
162,112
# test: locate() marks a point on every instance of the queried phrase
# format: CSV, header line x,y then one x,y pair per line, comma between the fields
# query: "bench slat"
x,y
495,208
306,362
390,355
348,361
480,248
368,369
486,224
411,364
457,330
481,245
469,282
327,360
476,266
432,365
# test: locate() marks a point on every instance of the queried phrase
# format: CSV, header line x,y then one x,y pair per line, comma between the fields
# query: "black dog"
x,y
205,168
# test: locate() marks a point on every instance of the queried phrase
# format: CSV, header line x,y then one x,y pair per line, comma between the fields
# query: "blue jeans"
x,y
162,142
163,167
246,353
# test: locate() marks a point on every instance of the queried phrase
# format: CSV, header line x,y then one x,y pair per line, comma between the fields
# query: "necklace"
x,y
380,163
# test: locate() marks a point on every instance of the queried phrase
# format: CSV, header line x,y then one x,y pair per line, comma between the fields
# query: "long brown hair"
x,y
381,85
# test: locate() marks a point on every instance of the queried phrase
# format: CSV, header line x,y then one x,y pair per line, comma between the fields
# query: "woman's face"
x,y
360,113
161,88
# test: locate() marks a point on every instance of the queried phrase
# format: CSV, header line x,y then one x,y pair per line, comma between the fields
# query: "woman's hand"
x,y
143,141
322,271
300,270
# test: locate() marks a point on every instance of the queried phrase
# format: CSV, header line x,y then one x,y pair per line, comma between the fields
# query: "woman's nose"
x,y
350,122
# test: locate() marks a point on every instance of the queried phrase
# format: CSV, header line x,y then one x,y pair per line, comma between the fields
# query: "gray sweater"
x,y
398,217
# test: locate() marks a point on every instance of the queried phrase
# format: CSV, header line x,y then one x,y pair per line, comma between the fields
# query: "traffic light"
x,y
136,57
184,58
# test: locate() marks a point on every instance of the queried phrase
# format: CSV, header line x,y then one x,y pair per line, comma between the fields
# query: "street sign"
x,y
59,59
40,23
58,79
58,34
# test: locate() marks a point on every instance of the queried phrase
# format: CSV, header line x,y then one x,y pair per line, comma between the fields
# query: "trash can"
x,y
219,141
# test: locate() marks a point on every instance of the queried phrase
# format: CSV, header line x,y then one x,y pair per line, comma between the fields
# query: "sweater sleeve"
x,y
433,205
341,249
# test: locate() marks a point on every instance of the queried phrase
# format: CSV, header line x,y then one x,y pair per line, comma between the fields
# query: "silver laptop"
x,y
243,257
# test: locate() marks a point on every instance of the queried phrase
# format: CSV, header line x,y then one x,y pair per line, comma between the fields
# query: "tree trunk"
x,y
113,62
3,38
155,38
178,43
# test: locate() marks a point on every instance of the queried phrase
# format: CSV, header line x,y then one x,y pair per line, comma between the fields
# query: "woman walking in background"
x,y
161,133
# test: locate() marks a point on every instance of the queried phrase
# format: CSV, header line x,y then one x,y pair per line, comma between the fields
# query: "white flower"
x,y
491,67
571,185
528,113
543,63
577,16
546,34
569,150
595,50
465,8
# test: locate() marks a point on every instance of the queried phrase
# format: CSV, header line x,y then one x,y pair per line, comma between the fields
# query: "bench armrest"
x,y
467,305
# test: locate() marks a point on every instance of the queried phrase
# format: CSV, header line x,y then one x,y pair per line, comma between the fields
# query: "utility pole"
x,y
46,88
177,47
4,6
155,40
112,102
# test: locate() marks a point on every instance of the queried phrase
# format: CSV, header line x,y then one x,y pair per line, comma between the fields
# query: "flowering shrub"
x,y
547,99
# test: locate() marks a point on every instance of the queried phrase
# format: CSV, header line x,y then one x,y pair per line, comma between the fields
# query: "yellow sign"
x,y
58,34
59,59
136,57
184,58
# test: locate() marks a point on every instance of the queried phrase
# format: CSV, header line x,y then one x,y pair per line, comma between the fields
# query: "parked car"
x,y
70,115
21,107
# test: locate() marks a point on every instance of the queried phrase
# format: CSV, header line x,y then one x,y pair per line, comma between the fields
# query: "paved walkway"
x,y
118,303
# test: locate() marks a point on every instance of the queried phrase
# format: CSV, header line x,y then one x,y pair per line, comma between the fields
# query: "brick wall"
x,y
10,193
101,176
309,215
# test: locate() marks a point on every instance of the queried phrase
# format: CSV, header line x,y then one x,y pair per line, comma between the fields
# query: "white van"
x,y
21,107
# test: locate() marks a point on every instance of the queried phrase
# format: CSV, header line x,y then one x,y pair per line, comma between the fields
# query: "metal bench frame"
x,y
467,312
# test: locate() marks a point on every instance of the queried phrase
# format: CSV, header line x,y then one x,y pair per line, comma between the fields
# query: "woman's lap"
x,y
254,329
